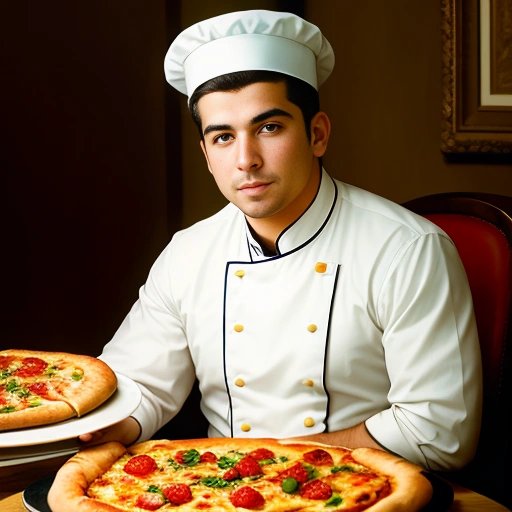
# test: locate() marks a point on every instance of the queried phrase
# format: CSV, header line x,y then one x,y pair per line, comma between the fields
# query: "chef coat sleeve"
x,y
151,348
432,356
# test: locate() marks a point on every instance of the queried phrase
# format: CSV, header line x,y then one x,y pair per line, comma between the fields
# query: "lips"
x,y
252,185
254,188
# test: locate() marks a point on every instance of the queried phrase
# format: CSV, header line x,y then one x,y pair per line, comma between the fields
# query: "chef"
x,y
306,307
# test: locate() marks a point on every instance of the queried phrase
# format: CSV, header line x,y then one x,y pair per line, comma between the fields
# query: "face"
x,y
258,152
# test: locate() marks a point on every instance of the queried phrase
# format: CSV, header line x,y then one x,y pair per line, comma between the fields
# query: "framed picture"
x,y
477,76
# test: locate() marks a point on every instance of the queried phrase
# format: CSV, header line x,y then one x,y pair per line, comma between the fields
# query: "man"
x,y
306,307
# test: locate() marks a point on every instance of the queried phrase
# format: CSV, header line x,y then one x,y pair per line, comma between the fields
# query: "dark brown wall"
x,y
385,100
87,203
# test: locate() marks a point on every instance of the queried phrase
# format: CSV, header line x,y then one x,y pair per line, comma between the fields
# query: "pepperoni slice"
x,y
247,497
316,490
39,389
140,465
31,367
150,501
318,457
262,454
178,494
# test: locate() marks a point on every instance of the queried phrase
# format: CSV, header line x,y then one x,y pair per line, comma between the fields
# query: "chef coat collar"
x,y
305,228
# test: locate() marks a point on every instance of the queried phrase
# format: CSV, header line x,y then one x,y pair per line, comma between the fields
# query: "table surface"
x,y
14,479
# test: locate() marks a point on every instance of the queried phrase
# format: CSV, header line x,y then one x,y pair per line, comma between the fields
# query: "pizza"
x,y
41,388
237,474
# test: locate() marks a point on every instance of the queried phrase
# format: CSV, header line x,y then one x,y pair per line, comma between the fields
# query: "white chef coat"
x,y
365,314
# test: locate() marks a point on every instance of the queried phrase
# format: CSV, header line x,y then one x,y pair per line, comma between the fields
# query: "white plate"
x,y
119,406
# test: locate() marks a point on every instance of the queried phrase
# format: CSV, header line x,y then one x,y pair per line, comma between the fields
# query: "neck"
x,y
267,230
267,243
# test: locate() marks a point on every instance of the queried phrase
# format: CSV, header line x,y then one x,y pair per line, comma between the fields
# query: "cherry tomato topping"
x,y
247,497
248,466
231,474
319,457
208,457
296,471
178,456
178,494
316,490
140,465
150,501
262,454
31,366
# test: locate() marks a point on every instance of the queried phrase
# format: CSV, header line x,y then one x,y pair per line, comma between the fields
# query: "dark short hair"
x,y
298,92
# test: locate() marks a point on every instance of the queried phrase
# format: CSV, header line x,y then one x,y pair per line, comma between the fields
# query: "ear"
x,y
203,148
320,132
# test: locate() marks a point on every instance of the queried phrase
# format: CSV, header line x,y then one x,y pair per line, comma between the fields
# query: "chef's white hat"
x,y
248,40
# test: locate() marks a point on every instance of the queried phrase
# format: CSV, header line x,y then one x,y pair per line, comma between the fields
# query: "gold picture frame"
x,y
477,76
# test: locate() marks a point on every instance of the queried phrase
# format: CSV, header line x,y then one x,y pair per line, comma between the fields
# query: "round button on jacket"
x,y
320,267
309,422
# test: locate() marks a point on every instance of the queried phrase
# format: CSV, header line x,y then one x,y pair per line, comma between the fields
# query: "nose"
x,y
248,156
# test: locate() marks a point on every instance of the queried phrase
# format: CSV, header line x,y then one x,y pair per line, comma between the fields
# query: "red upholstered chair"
x,y
480,225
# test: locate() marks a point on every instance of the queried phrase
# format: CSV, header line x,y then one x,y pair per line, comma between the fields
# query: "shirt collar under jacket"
x,y
305,228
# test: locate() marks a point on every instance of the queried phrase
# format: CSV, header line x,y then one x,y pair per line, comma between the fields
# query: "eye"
x,y
270,128
222,138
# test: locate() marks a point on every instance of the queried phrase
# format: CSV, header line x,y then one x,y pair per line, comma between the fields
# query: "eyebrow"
x,y
255,120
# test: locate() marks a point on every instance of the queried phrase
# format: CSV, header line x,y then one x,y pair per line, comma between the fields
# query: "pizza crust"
x,y
43,415
411,490
98,384
68,491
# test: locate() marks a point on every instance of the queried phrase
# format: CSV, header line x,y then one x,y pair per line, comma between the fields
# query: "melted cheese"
x,y
353,485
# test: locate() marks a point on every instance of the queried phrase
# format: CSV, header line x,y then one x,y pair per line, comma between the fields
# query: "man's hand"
x,y
126,432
